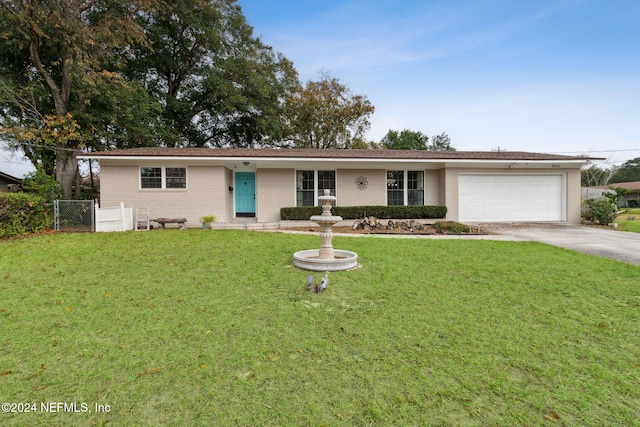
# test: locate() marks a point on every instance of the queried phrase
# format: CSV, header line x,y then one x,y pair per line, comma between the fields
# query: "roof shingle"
x,y
333,154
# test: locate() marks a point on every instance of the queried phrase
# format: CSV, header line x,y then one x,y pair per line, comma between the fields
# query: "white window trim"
x,y
316,192
405,190
163,173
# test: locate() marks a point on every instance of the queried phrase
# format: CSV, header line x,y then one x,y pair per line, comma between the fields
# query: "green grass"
x,y
629,221
203,327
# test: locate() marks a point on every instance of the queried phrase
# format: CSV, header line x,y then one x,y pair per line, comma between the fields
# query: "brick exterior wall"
x,y
227,203
432,188
574,195
349,194
206,193
275,189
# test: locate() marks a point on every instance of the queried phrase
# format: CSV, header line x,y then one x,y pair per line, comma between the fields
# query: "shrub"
x,y
600,210
43,185
22,213
300,213
208,218
355,212
451,227
617,195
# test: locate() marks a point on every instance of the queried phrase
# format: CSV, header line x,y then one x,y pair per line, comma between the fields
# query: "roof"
x,y
10,178
632,185
266,153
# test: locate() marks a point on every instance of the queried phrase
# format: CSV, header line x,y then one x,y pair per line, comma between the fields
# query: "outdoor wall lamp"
x,y
230,189
245,163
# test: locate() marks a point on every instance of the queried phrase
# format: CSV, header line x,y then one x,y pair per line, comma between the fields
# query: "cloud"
x,y
546,76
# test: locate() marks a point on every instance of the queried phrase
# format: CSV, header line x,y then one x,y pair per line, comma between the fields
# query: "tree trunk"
x,y
76,181
66,171
93,183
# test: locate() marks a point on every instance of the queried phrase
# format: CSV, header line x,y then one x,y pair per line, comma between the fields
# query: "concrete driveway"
x,y
617,245
612,244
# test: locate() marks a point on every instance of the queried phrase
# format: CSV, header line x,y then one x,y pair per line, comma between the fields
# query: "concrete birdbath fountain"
x,y
326,258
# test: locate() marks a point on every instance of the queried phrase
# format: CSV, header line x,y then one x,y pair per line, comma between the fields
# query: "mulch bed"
x,y
349,230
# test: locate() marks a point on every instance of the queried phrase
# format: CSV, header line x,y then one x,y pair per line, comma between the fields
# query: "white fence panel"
x,y
593,193
116,218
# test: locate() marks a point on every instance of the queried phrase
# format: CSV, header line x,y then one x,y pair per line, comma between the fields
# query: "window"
x,y
163,177
311,184
400,194
151,177
415,187
304,188
176,177
395,188
327,181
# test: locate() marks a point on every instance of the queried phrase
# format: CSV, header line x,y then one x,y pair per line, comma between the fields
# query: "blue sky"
x,y
560,76
545,76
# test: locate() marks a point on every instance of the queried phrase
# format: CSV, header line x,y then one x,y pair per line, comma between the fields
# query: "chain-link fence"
x,y
73,215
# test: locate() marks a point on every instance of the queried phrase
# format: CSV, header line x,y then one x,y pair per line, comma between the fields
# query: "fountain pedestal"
x,y
326,258
326,249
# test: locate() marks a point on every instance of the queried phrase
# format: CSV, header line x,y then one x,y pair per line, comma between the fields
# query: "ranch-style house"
x,y
241,184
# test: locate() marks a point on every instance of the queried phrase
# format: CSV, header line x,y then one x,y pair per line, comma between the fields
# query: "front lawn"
x,y
202,327
629,220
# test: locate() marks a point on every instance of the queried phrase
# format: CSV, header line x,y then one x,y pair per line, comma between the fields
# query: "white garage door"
x,y
518,198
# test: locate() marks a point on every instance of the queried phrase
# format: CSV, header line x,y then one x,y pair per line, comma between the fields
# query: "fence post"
x,y
124,225
93,215
56,215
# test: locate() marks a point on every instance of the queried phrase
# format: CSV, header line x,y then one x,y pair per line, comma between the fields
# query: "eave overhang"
x,y
333,162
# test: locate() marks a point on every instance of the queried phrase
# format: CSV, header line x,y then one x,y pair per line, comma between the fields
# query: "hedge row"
x,y
22,213
355,212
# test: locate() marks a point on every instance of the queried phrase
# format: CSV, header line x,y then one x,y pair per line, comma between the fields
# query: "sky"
x,y
13,163
560,76
551,76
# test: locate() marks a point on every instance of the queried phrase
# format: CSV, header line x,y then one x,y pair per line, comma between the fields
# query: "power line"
x,y
31,144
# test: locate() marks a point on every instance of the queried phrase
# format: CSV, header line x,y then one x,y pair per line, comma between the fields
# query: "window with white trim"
x,y
395,188
311,183
405,188
415,187
163,177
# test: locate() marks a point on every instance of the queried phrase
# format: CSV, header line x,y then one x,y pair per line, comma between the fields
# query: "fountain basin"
x,y
310,260
326,219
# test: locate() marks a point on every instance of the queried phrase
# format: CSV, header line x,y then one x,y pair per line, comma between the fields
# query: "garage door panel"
x,y
510,198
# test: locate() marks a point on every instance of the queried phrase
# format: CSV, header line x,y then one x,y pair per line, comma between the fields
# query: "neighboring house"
x,y
234,184
633,187
7,182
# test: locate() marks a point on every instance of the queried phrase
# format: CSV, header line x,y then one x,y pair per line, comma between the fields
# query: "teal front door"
x,y
245,194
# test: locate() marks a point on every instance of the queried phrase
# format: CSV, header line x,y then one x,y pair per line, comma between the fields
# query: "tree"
x,y
218,84
405,140
594,176
415,140
326,114
61,58
616,195
42,184
441,142
628,172
100,74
